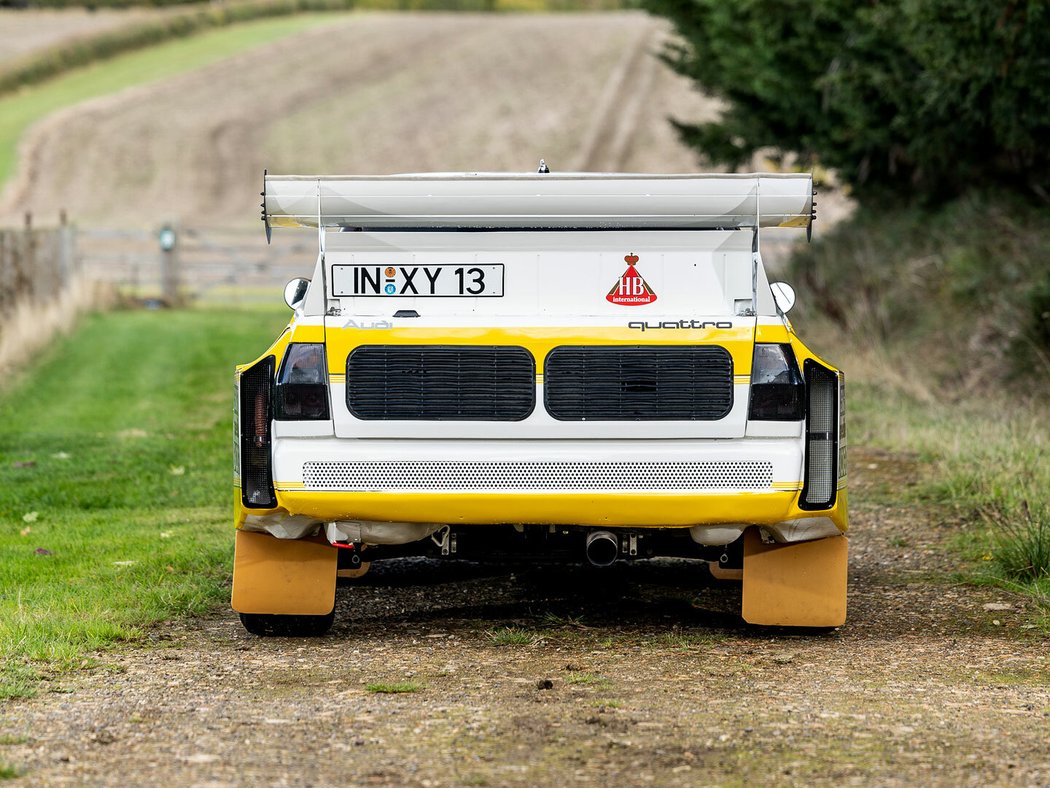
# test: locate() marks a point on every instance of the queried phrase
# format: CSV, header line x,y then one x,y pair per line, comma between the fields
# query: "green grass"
x,y
9,772
1023,677
115,483
18,111
987,459
942,316
588,680
394,688
512,636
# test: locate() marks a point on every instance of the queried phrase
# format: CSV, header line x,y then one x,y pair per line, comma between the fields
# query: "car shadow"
x,y
666,593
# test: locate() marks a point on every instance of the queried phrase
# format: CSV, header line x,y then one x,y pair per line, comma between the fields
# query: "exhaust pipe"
x,y
602,548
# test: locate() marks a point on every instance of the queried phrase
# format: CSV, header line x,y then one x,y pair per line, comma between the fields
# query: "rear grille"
x,y
822,422
440,383
638,383
453,476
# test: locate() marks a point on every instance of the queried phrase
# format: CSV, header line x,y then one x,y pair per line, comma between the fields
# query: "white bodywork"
x,y
533,201
559,245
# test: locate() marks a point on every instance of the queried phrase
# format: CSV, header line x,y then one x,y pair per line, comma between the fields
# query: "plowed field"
x,y
367,93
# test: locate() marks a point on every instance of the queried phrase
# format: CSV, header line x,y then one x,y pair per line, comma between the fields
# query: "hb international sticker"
x,y
631,289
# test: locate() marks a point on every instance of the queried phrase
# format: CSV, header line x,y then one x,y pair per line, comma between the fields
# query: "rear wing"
x,y
575,201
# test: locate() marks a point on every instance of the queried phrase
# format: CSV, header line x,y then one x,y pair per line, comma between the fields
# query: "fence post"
x,y
6,261
25,285
169,265
67,250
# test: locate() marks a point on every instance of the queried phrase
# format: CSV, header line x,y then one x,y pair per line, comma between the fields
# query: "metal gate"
x,y
210,265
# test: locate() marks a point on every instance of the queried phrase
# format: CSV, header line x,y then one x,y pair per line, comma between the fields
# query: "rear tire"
x,y
265,625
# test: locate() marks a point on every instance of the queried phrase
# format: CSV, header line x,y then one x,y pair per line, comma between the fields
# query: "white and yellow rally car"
x,y
587,366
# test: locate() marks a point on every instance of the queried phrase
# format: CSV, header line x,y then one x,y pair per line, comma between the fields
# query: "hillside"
x,y
367,93
24,32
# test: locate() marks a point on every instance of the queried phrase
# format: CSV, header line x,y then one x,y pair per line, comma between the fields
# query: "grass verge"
x,y
115,484
986,458
31,326
943,312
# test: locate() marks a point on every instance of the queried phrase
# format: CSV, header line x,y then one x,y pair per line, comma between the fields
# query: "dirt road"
x,y
633,677
369,94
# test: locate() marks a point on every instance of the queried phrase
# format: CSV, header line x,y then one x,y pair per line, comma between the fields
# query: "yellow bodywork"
x,y
283,576
538,340
794,585
605,509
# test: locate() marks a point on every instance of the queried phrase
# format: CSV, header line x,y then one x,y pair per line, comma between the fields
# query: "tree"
x,y
902,98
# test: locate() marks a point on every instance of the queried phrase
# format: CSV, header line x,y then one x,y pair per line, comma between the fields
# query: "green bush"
x,y
902,98
965,284
1022,540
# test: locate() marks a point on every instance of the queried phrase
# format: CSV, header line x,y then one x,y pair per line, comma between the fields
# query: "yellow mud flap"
x,y
292,577
794,585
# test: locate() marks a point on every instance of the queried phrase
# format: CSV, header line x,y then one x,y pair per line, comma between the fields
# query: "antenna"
x,y
320,225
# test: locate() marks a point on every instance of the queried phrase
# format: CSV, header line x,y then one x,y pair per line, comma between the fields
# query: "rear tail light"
x,y
842,426
255,413
823,425
301,393
778,392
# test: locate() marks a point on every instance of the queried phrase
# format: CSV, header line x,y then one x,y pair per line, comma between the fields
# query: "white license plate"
x,y
455,280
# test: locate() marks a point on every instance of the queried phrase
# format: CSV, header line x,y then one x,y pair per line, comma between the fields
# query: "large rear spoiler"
x,y
502,201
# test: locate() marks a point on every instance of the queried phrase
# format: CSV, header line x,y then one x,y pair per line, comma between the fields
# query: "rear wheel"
x,y
265,625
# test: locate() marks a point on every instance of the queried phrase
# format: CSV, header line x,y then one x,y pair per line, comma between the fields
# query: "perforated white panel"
x,y
546,476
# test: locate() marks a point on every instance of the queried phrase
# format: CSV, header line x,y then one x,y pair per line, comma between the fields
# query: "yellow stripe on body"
x,y
641,510
539,340
307,333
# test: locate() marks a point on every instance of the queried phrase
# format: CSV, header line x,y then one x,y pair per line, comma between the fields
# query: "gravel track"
x,y
635,676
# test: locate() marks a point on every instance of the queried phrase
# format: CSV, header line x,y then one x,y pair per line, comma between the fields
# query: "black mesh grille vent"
x,y
255,413
440,383
822,421
638,383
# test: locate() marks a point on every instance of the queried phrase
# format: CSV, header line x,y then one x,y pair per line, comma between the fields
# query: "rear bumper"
x,y
328,464
634,510
636,484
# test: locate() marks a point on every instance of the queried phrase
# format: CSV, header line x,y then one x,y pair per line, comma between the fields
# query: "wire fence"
x,y
36,264
196,264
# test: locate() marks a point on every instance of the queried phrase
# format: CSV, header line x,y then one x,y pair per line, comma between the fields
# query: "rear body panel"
x,y
527,353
